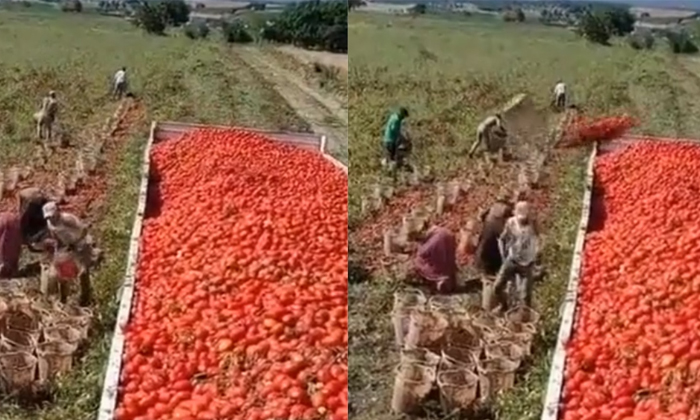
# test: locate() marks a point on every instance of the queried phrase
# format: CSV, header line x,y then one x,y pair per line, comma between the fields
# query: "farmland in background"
x,y
450,75
76,55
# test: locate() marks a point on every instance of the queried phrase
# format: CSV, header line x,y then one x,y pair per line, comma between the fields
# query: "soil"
x,y
368,237
339,61
87,199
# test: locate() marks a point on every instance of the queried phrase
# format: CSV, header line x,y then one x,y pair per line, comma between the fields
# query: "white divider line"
x,y
108,401
556,374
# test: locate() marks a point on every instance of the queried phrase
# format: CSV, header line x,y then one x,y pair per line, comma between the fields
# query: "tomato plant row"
x,y
241,302
635,349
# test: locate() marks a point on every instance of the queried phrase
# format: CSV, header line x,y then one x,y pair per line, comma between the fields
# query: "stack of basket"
x,y
471,355
38,340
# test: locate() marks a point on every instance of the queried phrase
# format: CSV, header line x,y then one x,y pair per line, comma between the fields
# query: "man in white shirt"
x,y
71,234
519,247
120,83
560,95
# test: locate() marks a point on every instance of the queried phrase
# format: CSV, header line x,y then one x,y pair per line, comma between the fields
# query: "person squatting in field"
x,y
396,145
46,117
71,235
518,244
120,85
491,137
560,95
435,260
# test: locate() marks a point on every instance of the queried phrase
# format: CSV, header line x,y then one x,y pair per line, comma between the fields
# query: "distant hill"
x,y
662,4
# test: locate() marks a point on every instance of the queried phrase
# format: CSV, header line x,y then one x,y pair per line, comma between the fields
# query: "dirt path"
x,y
325,115
339,61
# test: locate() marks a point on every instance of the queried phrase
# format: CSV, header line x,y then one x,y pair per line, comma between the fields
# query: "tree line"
x,y
312,24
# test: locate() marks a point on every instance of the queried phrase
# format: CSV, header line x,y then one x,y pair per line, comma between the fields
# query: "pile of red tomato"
x,y
635,350
583,130
241,304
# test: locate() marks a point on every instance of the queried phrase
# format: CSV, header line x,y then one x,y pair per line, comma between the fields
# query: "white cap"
x,y
49,209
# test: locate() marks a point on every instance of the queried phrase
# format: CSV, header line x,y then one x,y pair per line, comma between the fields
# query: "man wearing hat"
x,y
519,247
71,234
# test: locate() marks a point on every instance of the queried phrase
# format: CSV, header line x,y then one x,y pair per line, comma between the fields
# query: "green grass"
x,y
175,79
451,74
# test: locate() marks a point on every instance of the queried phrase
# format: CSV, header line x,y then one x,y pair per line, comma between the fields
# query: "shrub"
x,y
236,32
74,6
199,30
514,15
313,24
681,43
150,17
176,12
595,28
154,18
641,40
619,21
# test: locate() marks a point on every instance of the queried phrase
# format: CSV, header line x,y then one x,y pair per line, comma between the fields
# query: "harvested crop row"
x,y
241,305
635,351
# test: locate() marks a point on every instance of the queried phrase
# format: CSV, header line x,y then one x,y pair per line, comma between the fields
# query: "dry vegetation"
x,y
76,56
450,75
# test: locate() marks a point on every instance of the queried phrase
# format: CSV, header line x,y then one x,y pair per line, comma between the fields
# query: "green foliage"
x,y
199,30
313,24
236,32
619,20
72,6
419,9
149,17
514,15
594,27
154,18
175,12
681,42
641,40
354,4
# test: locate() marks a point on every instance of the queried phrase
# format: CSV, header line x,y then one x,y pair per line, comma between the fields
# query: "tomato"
x,y
635,345
241,285
584,131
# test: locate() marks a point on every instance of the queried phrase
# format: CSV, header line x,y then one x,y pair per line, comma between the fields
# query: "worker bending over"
x,y
71,235
23,227
491,136
120,86
435,261
46,117
487,257
396,145
560,95
519,247
10,244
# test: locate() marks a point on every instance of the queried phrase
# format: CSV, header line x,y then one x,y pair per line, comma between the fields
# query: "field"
x,y
76,56
450,75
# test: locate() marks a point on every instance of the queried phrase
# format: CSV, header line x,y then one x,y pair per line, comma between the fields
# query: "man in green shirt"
x,y
393,138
